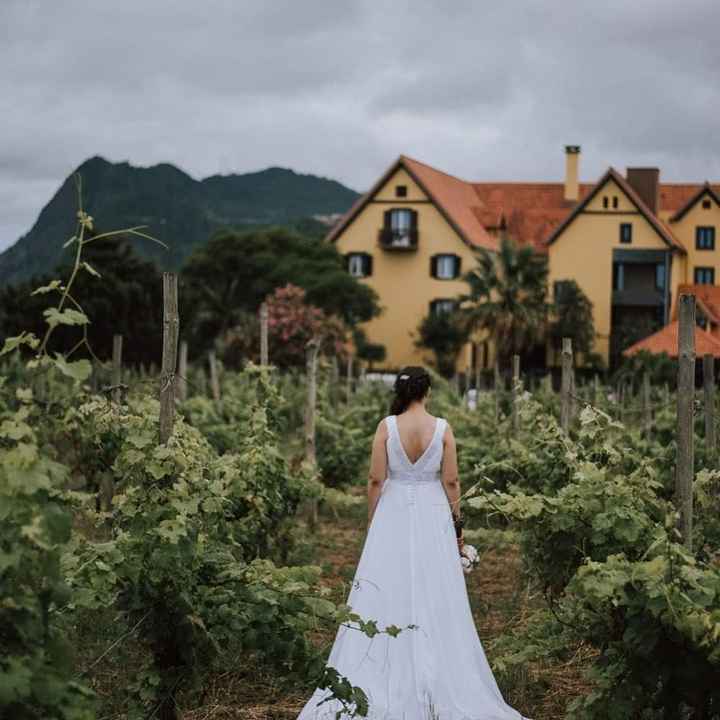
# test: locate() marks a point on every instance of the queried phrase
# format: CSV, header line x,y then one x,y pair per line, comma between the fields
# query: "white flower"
x,y
469,558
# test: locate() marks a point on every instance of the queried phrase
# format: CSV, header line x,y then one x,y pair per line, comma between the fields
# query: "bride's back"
x,y
416,431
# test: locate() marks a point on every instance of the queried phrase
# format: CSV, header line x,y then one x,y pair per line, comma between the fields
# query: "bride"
x,y
410,573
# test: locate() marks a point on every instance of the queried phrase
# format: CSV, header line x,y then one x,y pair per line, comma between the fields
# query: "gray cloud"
x,y
483,90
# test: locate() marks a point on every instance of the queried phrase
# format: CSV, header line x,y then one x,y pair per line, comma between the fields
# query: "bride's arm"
x,y
450,478
378,468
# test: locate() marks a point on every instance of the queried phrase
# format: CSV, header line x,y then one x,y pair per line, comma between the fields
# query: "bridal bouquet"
x,y
469,558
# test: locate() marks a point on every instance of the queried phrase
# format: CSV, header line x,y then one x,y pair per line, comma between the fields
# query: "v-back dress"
x,y
409,573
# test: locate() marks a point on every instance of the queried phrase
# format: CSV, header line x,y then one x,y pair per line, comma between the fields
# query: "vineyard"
x,y
175,545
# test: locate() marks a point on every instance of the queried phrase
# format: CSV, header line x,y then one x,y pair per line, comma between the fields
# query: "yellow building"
x,y
627,241
411,238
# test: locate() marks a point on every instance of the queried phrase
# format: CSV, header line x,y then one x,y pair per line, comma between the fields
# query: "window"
x,y
399,229
660,277
615,201
618,280
445,267
442,306
605,201
704,276
359,264
560,290
705,238
401,191
625,233
706,204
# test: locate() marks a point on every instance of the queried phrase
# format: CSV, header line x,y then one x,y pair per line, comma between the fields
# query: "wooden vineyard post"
x,y
171,326
515,393
201,380
334,390
182,372
565,384
709,404
496,389
214,378
595,389
349,378
311,353
685,402
646,405
573,395
117,368
264,352
478,375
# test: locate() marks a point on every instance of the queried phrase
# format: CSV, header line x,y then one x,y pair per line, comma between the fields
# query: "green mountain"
x,y
177,209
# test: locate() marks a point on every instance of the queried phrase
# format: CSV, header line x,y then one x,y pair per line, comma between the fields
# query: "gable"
x,y
453,198
611,192
401,177
611,185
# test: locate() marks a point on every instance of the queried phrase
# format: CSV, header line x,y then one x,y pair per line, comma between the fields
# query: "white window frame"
x,y
356,261
445,267
401,230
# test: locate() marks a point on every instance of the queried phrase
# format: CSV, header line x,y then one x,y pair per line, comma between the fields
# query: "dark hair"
x,y
412,383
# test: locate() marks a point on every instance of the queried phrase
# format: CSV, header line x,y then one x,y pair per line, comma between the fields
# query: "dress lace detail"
x,y
410,573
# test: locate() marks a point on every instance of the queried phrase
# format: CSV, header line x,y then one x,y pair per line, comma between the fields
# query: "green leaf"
x,y
69,316
54,285
25,338
79,370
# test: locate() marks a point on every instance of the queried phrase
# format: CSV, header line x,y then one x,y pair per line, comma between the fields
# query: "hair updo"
x,y
411,384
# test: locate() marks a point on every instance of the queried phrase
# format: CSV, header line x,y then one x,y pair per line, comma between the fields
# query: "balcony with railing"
x,y
400,230
398,239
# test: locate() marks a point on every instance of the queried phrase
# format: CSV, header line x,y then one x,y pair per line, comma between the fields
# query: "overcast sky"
x,y
341,87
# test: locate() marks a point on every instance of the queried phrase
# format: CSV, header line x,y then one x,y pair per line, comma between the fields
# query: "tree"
x,y
573,318
291,323
444,334
366,350
507,297
235,271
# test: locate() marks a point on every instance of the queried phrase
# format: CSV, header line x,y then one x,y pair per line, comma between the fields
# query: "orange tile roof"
x,y
665,340
456,197
707,298
530,212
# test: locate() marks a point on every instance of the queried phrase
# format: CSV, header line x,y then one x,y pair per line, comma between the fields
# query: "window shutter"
x,y
458,265
413,219
367,264
432,306
388,221
346,262
433,266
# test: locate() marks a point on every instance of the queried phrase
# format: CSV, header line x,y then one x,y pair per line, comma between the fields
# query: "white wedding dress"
x,y
410,573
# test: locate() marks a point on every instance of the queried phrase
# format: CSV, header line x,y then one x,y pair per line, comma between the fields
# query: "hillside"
x,y
179,210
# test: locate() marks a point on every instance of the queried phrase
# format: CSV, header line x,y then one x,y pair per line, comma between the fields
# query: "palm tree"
x,y
508,297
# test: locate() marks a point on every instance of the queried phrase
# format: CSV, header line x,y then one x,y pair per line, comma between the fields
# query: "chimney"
x,y
572,160
646,183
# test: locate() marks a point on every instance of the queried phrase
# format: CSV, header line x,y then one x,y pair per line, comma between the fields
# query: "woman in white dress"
x,y
410,573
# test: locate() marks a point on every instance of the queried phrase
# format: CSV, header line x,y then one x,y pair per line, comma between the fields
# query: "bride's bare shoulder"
x,y
381,432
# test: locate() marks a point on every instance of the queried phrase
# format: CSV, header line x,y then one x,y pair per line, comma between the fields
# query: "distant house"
x,y
628,241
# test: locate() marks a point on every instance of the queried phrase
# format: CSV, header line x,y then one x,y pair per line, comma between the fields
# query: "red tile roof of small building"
x,y
665,340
